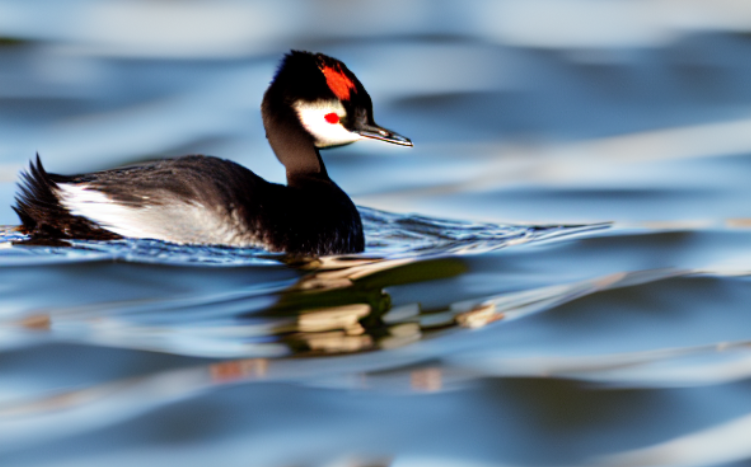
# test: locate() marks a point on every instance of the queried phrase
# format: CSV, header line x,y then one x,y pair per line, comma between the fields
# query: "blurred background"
x,y
527,110
521,111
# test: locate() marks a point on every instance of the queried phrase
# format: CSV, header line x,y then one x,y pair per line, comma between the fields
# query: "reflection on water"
x,y
336,305
556,274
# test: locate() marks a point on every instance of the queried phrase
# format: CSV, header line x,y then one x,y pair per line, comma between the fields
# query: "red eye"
x,y
332,117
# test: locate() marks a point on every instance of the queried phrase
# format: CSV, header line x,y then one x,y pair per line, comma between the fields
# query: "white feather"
x,y
178,222
312,116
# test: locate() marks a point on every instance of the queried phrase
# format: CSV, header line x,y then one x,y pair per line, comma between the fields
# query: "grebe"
x,y
313,102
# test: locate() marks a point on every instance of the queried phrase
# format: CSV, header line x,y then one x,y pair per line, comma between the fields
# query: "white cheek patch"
x,y
313,117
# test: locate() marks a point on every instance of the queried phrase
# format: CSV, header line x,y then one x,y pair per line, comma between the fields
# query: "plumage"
x,y
206,200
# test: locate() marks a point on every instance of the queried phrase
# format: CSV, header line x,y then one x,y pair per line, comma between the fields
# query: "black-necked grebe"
x,y
313,102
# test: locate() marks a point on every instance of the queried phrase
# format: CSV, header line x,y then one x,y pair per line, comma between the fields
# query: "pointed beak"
x,y
382,134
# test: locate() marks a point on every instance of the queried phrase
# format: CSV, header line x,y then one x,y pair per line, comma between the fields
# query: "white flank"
x,y
94,205
177,221
313,117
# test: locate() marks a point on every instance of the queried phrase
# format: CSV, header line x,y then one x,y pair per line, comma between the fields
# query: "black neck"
x,y
293,146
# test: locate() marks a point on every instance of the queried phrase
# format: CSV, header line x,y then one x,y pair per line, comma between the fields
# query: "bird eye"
x,y
332,117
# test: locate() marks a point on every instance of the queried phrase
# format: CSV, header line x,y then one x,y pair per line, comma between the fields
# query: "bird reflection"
x,y
342,306
336,305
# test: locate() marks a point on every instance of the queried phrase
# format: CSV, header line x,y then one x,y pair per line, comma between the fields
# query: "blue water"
x,y
556,274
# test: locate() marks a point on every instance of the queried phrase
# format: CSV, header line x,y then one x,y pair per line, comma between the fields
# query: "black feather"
x,y
313,216
41,213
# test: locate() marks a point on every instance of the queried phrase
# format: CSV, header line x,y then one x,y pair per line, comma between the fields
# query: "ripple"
x,y
388,236
337,305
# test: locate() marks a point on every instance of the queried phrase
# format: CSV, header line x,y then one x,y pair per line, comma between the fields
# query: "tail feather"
x,y
36,200
41,213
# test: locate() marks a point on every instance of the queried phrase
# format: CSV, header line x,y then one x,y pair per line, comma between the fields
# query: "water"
x,y
556,274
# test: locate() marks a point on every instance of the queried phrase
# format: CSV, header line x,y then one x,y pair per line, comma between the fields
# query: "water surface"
x,y
556,274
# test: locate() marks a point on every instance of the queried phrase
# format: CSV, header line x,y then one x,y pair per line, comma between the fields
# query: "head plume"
x,y
309,75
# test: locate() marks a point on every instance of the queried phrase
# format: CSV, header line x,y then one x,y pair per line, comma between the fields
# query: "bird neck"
x,y
292,144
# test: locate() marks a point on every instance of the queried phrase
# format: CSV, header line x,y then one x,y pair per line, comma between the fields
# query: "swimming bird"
x,y
313,102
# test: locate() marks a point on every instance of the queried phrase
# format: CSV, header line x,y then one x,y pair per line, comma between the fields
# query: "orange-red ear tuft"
x,y
338,82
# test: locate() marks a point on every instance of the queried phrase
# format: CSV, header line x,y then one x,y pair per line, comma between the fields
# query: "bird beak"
x,y
382,134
